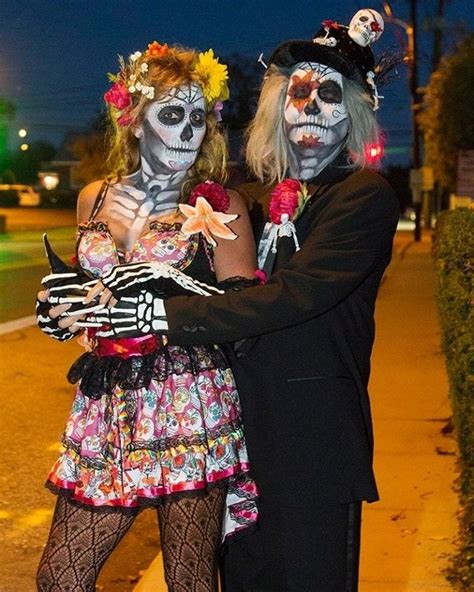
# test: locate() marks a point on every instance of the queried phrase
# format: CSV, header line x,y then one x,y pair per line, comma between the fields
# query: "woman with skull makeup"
x,y
304,339
153,424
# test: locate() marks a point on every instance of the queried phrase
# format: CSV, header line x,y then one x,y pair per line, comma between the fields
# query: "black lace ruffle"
x,y
100,375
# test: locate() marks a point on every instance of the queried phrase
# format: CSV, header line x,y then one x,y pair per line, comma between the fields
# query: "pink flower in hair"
x,y
118,96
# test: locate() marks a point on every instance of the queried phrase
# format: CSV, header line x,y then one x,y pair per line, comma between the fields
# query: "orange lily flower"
x,y
202,218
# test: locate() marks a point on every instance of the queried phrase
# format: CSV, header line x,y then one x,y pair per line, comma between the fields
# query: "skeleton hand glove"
x,y
160,279
65,285
132,316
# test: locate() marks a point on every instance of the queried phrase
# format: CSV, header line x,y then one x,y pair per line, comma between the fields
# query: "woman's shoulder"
x,y
87,198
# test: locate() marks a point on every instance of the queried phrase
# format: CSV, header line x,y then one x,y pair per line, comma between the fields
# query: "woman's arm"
x,y
236,258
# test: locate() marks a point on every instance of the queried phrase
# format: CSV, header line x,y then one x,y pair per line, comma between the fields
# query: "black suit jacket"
x,y
303,370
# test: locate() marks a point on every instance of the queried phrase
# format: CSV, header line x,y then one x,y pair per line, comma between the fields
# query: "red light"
x,y
373,154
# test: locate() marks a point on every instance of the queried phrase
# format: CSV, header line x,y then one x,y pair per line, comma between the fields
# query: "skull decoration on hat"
x,y
344,48
366,27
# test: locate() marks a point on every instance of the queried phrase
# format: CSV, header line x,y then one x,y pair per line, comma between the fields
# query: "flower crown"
x,y
131,80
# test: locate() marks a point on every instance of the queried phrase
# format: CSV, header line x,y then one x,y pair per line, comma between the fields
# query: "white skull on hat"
x,y
366,27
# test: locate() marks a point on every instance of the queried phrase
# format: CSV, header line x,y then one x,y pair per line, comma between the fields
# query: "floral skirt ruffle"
x,y
181,435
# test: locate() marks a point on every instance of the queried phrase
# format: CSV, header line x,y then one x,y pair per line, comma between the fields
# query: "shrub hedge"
x,y
453,250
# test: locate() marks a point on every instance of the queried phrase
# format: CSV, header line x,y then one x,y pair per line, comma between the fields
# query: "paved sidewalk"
x,y
408,535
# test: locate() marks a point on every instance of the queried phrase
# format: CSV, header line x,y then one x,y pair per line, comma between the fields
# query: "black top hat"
x,y
346,49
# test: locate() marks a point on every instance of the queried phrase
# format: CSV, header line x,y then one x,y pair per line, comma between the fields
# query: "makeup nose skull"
x,y
187,133
312,108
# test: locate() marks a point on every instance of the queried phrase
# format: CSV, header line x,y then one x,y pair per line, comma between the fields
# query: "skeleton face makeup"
x,y
173,130
366,27
315,112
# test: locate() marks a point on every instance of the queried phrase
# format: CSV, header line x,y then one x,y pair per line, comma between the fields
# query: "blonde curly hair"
x,y
164,70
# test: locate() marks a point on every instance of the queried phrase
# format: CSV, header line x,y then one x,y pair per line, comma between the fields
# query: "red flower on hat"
x,y
330,24
301,89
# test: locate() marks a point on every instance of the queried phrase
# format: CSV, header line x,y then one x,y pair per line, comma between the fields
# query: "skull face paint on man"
x,y
316,120
315,113
173,130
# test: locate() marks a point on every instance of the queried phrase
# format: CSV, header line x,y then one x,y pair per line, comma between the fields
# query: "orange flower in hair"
x,y
156,50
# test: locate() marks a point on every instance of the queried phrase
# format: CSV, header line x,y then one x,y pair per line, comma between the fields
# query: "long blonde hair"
x,y
165,72
268,151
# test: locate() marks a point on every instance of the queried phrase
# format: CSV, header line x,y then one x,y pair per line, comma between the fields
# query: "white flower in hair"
x,y
139,86
132,88
135,56
144,67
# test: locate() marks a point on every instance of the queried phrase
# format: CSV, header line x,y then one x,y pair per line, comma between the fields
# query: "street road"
x,y
35,399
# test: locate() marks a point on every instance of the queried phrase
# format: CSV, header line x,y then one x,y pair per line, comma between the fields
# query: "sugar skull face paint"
x,y
315,112
173,130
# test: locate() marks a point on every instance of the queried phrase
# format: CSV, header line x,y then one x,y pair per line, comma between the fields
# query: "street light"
x,y
24,147
22,132
411,58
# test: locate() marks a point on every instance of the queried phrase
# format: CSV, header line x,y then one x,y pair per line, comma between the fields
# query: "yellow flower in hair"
x,y
213,77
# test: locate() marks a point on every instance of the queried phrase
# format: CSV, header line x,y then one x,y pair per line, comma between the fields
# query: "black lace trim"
x,y
100,375
161,445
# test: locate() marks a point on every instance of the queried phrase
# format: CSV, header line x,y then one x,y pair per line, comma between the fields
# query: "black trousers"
x,y
297,550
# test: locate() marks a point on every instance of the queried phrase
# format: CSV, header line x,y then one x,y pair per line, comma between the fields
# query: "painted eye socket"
x,y
198,118
330,92
300,90
364,19
171,115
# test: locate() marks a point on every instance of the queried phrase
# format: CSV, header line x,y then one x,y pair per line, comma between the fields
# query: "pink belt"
x,y
126,347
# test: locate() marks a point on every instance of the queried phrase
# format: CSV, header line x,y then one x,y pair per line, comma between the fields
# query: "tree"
x,y
26,165
448,118
90,149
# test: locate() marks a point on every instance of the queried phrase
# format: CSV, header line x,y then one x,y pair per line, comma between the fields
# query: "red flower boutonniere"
x,y
288,197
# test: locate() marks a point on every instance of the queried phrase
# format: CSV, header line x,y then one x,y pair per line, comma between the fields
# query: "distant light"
x,y
22,133
49,180
24,147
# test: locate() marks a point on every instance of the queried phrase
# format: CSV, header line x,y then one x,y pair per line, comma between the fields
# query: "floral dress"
x,y
152,420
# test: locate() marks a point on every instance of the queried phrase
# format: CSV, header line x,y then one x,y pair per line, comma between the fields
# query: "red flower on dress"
x,y
301,89
118,96
288,197
214,193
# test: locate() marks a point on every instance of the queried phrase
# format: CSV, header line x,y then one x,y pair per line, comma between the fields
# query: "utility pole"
x,y
438,34
415,105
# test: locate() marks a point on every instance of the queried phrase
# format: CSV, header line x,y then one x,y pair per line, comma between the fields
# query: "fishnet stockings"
x,y
190,531
79,543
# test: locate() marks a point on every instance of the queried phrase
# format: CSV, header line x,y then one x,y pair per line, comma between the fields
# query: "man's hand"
x,y
160,278
131,316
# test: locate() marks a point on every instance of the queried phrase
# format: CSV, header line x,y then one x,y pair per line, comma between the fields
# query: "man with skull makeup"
x,y
304,339
152,424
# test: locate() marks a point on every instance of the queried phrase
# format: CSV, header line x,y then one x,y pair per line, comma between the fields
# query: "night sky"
x,y
55,55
